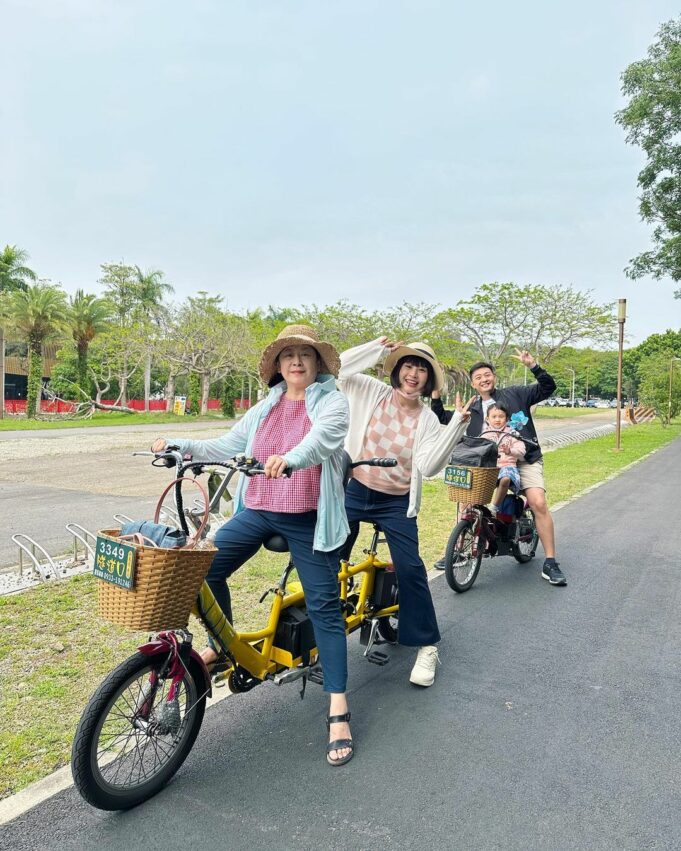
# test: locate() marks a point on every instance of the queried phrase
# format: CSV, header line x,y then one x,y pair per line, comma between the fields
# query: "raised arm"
x,y
359,358
545,385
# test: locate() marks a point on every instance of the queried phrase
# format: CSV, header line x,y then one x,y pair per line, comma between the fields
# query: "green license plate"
x,y
115,562
460,477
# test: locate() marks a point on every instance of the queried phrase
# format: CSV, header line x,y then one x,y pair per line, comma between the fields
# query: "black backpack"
x,y
474,452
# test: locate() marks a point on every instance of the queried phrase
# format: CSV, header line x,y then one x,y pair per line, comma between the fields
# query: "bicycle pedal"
x,y
316,676
378,658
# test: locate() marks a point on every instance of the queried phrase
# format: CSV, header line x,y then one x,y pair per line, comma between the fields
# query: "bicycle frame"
x,y
256,651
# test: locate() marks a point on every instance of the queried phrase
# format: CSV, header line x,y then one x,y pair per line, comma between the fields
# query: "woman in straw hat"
x,y
299,426
391,420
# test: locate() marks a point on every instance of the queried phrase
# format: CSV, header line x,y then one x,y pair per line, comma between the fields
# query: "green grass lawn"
x,y
54,649
101,418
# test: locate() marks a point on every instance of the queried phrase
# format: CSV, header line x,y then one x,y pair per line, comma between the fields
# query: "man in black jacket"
x,y
517,398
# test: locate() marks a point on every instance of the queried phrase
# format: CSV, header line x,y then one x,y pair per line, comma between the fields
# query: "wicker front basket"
x,y
483,483
167,582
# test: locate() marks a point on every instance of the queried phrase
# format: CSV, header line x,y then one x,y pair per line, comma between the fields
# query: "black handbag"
x,y
474,452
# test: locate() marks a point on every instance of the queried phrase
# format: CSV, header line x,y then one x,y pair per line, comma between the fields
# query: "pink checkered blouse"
x,y
281,430
390,434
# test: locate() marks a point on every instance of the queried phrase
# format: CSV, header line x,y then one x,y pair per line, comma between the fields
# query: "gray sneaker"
x,y
440,564
553,573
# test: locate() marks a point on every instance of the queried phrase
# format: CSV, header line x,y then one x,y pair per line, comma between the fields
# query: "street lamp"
x,y
621,319
572,393
671,367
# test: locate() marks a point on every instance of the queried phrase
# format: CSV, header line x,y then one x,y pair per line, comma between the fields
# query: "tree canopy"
x,y
652,120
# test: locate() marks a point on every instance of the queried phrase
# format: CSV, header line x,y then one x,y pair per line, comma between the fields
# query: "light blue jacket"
x,y
323,444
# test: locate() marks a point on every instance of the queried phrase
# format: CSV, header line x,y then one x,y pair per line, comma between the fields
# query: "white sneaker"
x,y
423,672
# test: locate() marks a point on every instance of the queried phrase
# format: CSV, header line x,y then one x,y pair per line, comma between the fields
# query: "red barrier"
x,y
18,406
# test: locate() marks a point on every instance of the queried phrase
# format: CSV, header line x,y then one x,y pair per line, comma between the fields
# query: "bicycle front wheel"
x,y
463,556
131,739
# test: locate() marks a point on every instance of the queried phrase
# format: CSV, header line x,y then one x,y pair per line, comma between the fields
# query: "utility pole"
x,y
621,319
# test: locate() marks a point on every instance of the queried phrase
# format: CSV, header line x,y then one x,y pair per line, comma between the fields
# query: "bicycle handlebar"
x,y
512,433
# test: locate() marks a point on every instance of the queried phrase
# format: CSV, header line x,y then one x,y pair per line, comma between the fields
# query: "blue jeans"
x,y
417,624
239,540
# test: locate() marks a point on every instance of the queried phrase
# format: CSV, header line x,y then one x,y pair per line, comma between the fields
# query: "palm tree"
x,y
14,275
150,291
38,313
88,315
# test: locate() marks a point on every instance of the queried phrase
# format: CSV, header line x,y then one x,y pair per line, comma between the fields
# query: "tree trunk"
x,y
123,408
35,383
82,367
147,380
123,395
170,393
205,390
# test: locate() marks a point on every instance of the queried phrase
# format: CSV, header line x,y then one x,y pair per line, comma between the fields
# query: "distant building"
x,y
16,367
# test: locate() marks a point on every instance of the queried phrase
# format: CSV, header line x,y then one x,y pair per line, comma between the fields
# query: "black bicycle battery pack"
x,y
385,588
295,633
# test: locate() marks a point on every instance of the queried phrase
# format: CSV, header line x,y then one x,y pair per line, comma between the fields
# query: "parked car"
x,y
591,403
602,403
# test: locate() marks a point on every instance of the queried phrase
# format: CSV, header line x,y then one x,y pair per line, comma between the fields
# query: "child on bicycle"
x,y
510,449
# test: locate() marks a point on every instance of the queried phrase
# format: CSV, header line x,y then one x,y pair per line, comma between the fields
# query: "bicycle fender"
x,y
158,647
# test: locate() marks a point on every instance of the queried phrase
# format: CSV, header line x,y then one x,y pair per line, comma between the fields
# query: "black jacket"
x,y
520,397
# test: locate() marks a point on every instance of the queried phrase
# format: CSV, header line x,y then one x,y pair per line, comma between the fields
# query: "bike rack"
x,y
122,518
84,536
29,546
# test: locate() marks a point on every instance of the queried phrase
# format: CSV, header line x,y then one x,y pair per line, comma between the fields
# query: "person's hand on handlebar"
x,y
275,467
464,409
158,445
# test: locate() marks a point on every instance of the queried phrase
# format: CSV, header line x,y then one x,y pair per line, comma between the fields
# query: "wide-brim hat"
x,y
419,350
300,335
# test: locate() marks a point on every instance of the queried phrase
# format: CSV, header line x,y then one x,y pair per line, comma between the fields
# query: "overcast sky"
x,y
297,151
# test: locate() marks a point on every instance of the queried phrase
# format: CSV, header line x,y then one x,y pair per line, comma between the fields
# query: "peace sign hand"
x,y
462,409
525,358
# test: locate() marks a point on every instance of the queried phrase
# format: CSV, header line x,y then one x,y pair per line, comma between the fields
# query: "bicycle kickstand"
x,y
369,635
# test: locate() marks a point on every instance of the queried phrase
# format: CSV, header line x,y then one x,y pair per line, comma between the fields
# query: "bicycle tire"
x,y
525,551
461,572
96,776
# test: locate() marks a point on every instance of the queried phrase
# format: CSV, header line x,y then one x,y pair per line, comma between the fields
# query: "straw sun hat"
x,y
298,335
419,350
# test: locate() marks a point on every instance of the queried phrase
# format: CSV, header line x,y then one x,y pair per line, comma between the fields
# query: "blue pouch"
x,y
166,537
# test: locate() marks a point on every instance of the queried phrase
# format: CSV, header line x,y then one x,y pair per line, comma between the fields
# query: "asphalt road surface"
x,y
552,724
52,477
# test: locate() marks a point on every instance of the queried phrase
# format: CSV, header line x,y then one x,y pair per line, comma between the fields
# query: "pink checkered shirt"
x,y
390,434
281,430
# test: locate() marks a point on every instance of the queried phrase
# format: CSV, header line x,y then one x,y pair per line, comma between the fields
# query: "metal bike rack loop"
x,y
29,546
84,536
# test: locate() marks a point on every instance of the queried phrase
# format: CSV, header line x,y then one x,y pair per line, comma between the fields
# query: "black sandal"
x,y
339,743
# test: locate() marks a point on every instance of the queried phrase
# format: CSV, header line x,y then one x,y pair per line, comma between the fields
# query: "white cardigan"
x,y
432,444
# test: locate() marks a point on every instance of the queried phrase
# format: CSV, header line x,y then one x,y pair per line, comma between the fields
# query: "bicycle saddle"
x,y
276,544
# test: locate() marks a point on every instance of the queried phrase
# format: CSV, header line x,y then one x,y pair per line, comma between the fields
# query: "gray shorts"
x,y
532,475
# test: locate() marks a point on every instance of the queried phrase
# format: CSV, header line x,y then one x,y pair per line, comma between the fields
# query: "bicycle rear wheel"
x,y
130,739
463,556
525,549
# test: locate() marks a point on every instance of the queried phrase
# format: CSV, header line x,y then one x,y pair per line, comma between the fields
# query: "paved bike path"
x,y
553,722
